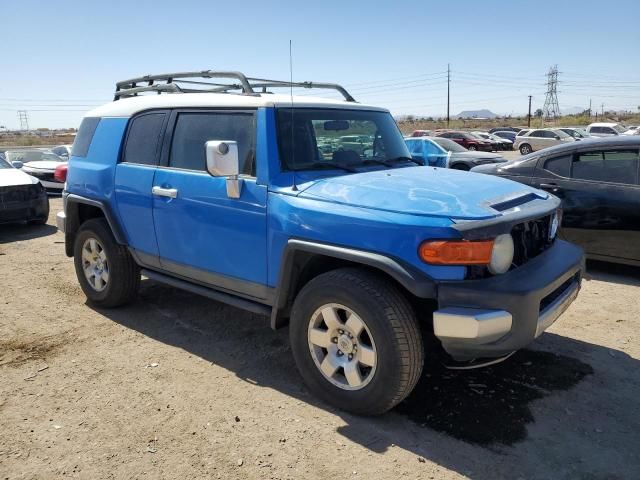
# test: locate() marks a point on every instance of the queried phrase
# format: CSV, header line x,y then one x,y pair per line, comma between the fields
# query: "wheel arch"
x,y
78,210
302,260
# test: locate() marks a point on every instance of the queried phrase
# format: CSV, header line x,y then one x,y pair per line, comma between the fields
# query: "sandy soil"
x,y
178,386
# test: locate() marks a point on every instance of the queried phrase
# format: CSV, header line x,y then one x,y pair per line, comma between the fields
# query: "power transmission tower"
x,y
551,108
23,117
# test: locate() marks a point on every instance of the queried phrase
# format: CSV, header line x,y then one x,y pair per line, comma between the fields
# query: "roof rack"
x,y
176,83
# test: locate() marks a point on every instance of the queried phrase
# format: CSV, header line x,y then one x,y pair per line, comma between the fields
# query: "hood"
x,y
43,165
10,177
424,191
477,156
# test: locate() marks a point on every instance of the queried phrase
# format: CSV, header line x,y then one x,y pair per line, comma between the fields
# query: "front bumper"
x,y
27,210
495,316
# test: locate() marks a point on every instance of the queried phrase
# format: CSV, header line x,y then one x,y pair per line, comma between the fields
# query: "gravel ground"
x,y
178,386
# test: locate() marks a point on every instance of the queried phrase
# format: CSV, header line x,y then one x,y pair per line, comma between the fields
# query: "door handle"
x,y
164,192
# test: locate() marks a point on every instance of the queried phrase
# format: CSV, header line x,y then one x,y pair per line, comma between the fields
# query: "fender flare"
x,y
413,280
73,222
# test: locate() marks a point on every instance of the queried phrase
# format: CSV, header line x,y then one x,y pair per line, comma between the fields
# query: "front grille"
x,y
19,193
530,239
46,176
553,296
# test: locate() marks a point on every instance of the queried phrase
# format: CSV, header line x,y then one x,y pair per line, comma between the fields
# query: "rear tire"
x,y
356,341
472,148
107,273
525,149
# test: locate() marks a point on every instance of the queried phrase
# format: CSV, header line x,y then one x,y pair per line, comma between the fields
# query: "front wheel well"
x,y
306,266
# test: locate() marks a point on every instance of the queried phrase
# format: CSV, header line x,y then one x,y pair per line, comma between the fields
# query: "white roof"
x,y
130,106
603,124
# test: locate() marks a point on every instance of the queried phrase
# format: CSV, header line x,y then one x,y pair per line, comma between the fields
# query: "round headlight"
x,y
502,254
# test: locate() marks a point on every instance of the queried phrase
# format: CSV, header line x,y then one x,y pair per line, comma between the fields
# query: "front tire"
x,y
356,341
107,273
525,149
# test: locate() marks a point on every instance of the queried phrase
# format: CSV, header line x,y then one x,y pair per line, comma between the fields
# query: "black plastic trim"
x,y
223,297
415,281
113,224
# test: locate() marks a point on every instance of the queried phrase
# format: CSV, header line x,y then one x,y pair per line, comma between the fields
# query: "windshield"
x,y
25,156
449,145
4,163
562,134
338,138
619,128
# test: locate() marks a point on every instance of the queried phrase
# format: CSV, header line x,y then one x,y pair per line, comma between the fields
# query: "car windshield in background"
x,y
4,163
336,138
449,145
619,128
26,156
562,134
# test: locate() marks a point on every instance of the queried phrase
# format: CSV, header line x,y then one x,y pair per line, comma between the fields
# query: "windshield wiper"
x,y
332,165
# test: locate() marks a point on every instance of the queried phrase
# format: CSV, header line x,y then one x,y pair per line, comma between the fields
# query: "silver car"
x,y
540,138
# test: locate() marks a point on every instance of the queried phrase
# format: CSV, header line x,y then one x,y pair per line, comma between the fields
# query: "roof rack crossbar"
x,y
131,87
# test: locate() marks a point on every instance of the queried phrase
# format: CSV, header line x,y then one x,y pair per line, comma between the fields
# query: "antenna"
x,y
294,187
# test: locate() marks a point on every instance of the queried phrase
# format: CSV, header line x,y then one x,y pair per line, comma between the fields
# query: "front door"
x,y
203,235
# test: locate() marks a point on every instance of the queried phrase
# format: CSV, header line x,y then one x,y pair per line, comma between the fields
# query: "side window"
x,y
595,130
431,149
548,134
608,130
193,130
537,133
84,136
143,140
617,166
559,165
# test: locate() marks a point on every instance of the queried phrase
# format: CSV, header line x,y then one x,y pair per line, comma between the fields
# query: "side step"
x,y
227,298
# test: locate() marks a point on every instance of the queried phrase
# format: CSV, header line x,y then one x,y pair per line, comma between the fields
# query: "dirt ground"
x,y
178,386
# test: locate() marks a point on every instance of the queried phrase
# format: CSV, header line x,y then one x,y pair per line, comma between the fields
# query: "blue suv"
x,y
223,188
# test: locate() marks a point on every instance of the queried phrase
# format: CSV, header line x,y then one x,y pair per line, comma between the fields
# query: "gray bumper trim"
x,y
61,220
551,313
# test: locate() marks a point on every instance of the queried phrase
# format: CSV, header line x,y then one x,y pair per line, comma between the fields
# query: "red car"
x,y
421,133
467,140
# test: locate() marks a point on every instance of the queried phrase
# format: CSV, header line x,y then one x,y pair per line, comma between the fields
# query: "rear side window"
x,y
84,136
559,165
616,166
193,130
143,140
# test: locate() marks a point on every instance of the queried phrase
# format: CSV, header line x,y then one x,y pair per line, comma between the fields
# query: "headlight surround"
x,y
502,254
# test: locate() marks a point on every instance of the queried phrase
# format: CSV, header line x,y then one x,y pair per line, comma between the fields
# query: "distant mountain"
x,y
483,113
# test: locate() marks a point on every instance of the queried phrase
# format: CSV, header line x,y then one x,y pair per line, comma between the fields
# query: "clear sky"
x,y
60,58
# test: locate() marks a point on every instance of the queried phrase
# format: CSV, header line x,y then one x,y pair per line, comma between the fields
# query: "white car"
x,y
607,129
22,197
41,164
540,138
63,151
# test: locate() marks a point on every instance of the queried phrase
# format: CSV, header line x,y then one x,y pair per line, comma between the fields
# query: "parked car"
x,y
606,129
505,129
22,197
40,164
597,180
540,138
467,140
421,133
442,152
498,143
507,135
576,133
227,196
63,151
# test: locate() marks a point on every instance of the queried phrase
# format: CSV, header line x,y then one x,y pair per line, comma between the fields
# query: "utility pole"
x,y
589,108
448,91
603,109
529,114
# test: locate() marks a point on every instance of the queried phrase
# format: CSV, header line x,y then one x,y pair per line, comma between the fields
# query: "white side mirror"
x,y
223,161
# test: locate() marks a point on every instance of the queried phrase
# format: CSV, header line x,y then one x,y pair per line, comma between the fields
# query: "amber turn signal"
x,y
456,252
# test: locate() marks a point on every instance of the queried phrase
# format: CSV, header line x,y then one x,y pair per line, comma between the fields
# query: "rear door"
x,y
202,234
134,180
601,199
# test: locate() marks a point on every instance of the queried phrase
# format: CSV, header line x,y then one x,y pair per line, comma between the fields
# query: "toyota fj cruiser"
x,y
223,188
